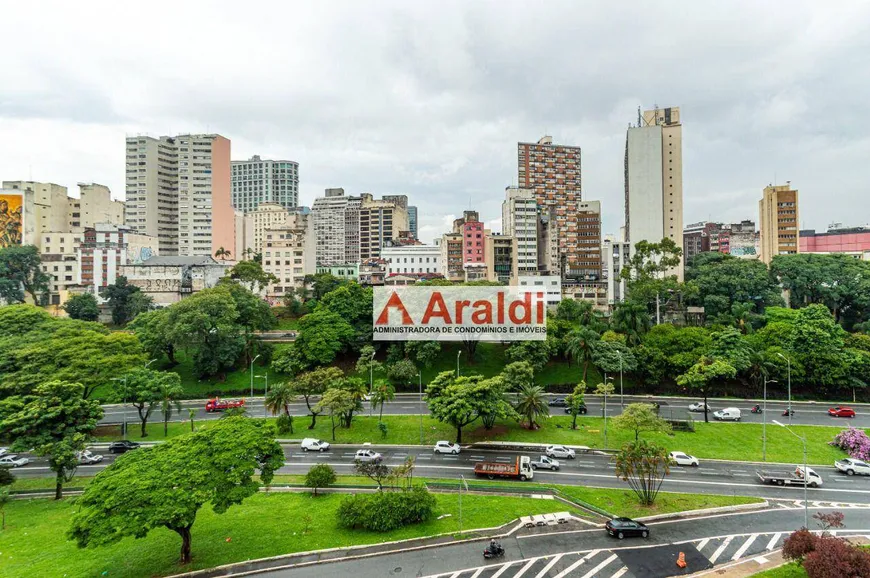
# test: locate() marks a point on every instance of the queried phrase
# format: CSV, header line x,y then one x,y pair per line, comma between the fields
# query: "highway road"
x,y
712,477
806,413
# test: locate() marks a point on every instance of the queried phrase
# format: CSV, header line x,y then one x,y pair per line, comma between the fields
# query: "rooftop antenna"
x,y
638,117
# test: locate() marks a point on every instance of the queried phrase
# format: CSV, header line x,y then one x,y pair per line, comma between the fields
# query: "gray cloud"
x,y
430,99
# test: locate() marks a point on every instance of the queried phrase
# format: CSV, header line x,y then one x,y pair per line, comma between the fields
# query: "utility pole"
x,y
252,375
764,421
420,377
788,361
458,353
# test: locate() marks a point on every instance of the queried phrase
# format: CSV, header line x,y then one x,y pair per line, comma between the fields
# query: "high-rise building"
x,y
179,190
779,216
412,221
616,254
336,228
701,237
94,205
380,221
654,179
588,266
519,219
501,258
288,251
257,181
553,173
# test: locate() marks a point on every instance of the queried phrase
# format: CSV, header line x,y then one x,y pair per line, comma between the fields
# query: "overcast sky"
x,y
430,99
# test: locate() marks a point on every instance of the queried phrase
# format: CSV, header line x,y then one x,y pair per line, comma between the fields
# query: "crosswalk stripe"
x,y
525,568
620,572
598,568
773,541
502,569
742,550
546,568
456,574
582,560
477,572
702,543
720,549
783,506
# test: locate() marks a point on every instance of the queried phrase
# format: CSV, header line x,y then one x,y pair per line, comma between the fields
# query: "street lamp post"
x,y
458,353
252,375
149,363
124,422
371,372
606,383
806,503
764,421
420,377
462,482
788,361
621,395
265,394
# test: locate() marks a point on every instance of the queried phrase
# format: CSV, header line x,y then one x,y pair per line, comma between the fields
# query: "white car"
x,y
447,448
727,414
3,452
314,445
851,466
559,452
682,459
87,458
13,461
368,456
699,406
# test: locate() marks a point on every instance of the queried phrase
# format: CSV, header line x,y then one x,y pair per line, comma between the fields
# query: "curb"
x,y
706,511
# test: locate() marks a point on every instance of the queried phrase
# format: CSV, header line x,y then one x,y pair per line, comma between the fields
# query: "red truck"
x,y
521,468
218,404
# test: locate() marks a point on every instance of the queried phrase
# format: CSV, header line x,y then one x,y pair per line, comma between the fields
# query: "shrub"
x,y
320,476
835,558
385,511
854,442
798,545
284,423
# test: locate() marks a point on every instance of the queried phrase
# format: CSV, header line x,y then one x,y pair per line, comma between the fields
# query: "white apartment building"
x,y
104,249
412,259
265,216
57,251
654,179
380,221
336,228
519,219
256,181
289,254
615,254
94,205
551,284
180,190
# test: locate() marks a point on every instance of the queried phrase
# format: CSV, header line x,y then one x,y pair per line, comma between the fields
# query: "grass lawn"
x,y
34,542
727,441
289,323
790,570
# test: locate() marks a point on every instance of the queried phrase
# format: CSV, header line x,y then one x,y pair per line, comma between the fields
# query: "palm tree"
x,y
222,254
580,345
742,315
531,403
279,398
382,393
631,319
167,396
760,368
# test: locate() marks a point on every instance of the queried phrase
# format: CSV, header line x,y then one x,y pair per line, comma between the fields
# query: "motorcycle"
x,y
787,412
494,550
756,409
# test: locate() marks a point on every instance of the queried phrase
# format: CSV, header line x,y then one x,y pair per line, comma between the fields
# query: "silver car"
x,y
13,461
368,456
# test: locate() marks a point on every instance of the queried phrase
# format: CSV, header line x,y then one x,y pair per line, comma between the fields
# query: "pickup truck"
x,y
545,463
521,468
793,478
218,404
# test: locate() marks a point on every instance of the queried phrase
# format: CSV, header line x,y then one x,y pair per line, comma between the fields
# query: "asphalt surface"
x,y
572,550
813,413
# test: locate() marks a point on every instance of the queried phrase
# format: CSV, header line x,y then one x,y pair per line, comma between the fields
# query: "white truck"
x,y
793,478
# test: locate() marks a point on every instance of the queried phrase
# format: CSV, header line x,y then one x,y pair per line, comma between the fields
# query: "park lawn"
x,y
267,524
288,323
726,441
790,570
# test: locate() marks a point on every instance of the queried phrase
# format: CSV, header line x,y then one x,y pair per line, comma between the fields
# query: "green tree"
x,y
376,471
320,476
724,281
706,370
580,346
518,374
403,372
166,485
143,389
222,254
152,331
458,401
612,356
531,404
120,297
322,336
82,306
21,272
493,403
381,394
314,383
169,393
576,402
251,275
367,362
640,417
358,389
425,352
322,283
55,422
254,315
535,353
729,345
279,398
818,342
644,466
6,480
632,319
648,272
337,403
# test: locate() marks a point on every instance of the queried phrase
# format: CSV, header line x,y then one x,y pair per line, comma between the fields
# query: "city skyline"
x,y
446,135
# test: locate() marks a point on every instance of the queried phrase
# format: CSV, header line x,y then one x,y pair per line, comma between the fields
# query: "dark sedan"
x,y
622,527
122,446
581,409
558,402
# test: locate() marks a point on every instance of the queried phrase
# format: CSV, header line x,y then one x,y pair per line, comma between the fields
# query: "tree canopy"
x,y
82,306
21,272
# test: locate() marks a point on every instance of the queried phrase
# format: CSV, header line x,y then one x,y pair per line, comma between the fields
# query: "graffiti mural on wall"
x,y
11,219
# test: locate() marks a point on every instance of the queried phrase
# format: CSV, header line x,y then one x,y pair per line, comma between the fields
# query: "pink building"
x,y
473,242
855,240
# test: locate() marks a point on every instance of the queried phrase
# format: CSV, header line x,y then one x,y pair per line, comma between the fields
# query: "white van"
x,y
727,414
314,445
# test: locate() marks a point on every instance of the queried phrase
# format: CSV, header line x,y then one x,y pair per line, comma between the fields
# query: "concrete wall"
x,y
645,184
222,215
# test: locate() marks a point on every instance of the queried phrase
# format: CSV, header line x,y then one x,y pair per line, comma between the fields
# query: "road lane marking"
x,y
702,543
503,569
620,572
720,549
478,572
600,567
773,541
549,565
742,550
525,568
